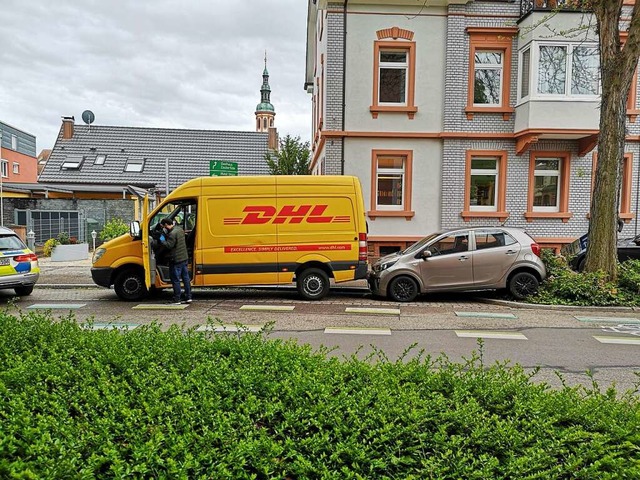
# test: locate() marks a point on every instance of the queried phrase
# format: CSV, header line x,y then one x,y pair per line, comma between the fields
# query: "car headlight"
x,y
97,254
383,266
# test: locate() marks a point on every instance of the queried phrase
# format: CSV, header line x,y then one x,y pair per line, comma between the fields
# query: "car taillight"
x,y
362,247
535,248
27,257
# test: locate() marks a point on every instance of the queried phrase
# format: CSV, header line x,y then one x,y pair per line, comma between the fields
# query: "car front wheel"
x,y
523,284
403,289
129,285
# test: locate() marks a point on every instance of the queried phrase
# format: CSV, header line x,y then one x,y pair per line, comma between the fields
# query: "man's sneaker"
x,y
188,300
173,302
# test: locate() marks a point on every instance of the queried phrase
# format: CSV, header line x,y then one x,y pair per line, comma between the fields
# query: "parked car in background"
x,y
19,267
478,258
576,251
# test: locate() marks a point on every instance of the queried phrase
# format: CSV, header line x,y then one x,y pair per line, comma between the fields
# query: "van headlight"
x,y
99,252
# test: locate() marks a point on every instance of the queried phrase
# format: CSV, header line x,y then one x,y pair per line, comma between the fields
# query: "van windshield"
x,y
420,244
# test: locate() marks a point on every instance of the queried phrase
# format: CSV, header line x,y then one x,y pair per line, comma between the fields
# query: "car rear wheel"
x,y
523,284
24,291
581,264
129,285
313,284
403,289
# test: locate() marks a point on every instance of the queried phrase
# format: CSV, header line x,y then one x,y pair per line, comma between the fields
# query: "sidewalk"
x,y
65,274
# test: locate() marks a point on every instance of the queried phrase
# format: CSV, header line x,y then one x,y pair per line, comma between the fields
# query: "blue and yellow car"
x,y
19,267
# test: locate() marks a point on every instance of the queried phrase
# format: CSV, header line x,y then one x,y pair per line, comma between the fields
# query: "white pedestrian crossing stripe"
x,y
110,326
485,314
269,308
376,311
230,328
357,331
57,306
618,340
490,334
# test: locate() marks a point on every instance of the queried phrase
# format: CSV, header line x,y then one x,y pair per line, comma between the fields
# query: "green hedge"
x,y
181,404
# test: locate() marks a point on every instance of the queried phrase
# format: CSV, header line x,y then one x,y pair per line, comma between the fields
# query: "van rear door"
x,y
147,261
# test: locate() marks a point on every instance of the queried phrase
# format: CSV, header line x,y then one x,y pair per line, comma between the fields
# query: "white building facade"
x,y
458,113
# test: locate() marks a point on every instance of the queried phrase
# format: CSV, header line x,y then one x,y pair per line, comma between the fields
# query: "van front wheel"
x,y
129,285
313,284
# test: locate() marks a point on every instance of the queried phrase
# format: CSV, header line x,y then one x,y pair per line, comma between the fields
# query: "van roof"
x,y
272,179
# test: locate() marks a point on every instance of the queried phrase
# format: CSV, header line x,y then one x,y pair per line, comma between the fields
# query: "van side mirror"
x,y
426,254
134,230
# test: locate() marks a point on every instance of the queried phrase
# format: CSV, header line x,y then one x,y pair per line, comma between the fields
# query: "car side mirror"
x,y
426,254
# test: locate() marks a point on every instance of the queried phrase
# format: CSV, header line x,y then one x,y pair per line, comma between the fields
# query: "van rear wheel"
x,y
129,285
313,284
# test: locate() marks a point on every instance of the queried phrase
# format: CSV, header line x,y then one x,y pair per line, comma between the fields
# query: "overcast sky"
x,y
151,63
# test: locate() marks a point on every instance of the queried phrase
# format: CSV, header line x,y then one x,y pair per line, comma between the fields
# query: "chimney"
x,y
67,127
273,138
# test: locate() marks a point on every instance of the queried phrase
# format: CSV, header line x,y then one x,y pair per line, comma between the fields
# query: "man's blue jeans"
x,y
179,271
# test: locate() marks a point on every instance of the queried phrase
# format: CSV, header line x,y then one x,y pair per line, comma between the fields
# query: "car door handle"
x,y
463,258
511,252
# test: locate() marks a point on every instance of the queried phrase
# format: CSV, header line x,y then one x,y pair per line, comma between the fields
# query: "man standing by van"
x,y
174,242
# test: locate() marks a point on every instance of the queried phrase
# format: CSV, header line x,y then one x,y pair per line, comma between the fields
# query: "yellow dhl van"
x,y
263,230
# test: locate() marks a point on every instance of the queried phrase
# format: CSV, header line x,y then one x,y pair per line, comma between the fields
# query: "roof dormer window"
x,y
135,164
72,163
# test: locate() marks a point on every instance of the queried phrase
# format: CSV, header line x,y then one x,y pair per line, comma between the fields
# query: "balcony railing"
x,y
528,6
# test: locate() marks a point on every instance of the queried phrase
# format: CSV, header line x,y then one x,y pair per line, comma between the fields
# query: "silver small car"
x,y
473,258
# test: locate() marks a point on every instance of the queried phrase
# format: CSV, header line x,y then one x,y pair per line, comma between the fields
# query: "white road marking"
x,y
357,331
378,311
230,328
490,334
618,340
273,308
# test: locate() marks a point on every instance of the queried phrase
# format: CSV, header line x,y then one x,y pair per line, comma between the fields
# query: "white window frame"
x,y
485,172
521,74
490,66
535,65
381,171
14,142
4,168
16,168
72,163
100,159
397,66
549,173
134,165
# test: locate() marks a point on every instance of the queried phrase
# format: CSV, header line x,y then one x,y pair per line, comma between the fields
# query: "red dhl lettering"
x,y
263,214
286,248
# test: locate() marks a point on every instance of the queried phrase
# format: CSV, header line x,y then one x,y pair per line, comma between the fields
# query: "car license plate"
x,y
4,261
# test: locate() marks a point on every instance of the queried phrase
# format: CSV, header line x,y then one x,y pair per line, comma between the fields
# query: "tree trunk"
x,y
617,67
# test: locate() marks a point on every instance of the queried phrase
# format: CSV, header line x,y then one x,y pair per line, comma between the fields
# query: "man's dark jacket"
x,y
176,244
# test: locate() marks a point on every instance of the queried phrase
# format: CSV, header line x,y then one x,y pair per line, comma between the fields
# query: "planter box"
x,y
67,253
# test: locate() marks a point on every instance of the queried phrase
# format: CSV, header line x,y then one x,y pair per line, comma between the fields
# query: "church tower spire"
x,y
265,113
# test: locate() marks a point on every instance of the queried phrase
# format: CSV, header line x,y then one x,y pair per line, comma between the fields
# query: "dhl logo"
x,y
262,214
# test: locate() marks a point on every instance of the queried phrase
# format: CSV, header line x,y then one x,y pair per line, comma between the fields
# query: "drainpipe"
x,y
344,79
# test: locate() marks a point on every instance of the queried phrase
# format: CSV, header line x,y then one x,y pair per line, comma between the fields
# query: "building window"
x,y
394,72
134,165
567,70
489,70
72,163
626,187
4,167
525,72
100,159
391,177
485,184
14,143
16,168
487,87
548,185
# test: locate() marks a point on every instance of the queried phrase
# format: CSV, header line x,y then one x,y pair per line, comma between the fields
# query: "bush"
x,y
629,276
49,245
183,404
555,264
112,229
64,239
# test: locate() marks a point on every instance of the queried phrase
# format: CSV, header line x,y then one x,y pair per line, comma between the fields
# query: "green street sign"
x,y
222,168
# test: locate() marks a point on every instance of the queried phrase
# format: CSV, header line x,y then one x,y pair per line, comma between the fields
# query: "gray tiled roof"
x,y
189,153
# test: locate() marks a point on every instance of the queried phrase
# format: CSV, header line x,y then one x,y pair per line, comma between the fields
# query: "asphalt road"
x,y
561,342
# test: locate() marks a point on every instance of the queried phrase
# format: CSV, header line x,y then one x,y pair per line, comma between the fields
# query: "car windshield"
x,y
419,244
11,242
